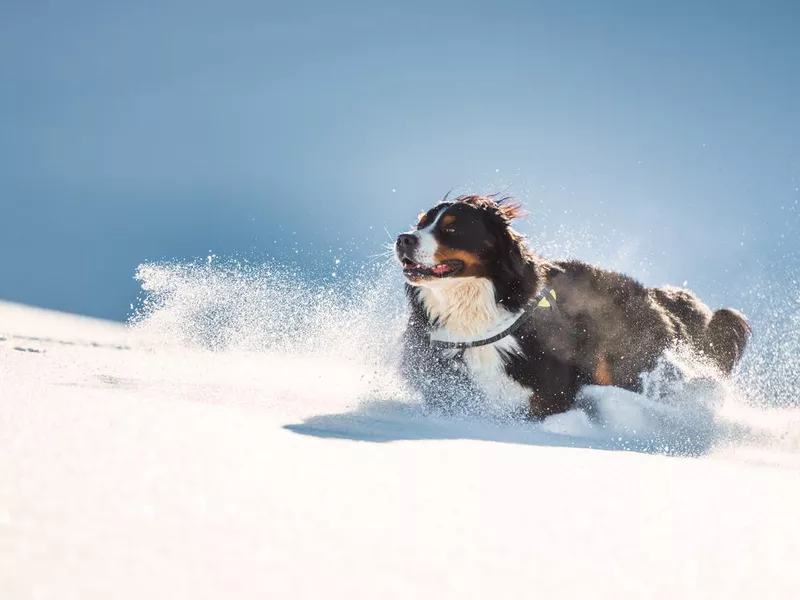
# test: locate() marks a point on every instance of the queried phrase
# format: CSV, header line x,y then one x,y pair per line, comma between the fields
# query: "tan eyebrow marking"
x,y
423,220
448,219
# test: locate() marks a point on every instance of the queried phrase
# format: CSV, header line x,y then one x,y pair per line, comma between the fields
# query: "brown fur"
x,y
472,263
602,373
448,220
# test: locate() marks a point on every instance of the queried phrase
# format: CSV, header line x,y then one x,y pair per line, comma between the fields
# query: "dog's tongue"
x,y
439,269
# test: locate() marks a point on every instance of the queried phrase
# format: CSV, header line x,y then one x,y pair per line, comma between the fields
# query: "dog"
x,y
489,316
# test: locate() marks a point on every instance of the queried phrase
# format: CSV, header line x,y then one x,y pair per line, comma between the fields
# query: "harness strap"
x,y
545,299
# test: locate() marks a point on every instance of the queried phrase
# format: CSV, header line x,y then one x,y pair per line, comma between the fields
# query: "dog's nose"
x,y
407,241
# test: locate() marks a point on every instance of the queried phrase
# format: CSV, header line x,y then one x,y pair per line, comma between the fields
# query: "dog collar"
x,y
545,299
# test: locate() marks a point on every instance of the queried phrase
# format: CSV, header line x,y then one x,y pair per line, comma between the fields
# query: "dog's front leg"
x,y
441,379
439,376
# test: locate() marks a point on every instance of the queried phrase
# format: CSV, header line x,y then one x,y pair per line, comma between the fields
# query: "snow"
x,y
137,464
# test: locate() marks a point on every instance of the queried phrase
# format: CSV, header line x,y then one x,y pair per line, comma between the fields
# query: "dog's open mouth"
x,y
445,269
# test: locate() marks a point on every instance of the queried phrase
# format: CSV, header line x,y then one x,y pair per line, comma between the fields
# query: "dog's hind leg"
x,y
725,338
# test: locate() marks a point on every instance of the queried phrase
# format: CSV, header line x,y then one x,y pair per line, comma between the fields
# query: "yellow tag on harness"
x,y
545,302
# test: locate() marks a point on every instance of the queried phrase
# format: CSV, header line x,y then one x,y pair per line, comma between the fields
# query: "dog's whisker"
x,y
386,257
387,252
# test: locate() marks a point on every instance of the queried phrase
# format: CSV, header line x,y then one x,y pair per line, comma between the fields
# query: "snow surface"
x,y
185,458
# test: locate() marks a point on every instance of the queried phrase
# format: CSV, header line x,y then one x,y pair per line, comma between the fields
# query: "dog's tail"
x,y
726,337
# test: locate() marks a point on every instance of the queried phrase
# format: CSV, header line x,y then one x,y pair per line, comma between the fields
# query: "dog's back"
x,y
626,326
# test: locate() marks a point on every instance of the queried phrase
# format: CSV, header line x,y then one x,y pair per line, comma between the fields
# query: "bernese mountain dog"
x,y
490,316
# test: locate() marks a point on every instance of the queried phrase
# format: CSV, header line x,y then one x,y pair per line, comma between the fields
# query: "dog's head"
x,y
470,236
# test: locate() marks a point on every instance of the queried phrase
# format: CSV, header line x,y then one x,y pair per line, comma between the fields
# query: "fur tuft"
x,y
503,206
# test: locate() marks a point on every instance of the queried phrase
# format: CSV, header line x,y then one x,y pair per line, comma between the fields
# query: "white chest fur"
x,y
466,309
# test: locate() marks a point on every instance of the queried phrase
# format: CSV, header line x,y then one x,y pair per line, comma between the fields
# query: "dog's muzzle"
x,y
406,245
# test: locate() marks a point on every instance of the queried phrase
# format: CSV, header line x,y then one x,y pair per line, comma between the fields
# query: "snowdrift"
x,y
247,437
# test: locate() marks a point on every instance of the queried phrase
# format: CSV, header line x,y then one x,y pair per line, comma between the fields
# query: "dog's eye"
x,y
448,230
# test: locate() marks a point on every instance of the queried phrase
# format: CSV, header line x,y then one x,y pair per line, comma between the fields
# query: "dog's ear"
x,y
510,270
511,247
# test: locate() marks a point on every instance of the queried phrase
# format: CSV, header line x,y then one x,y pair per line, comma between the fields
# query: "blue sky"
x,y
660,137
